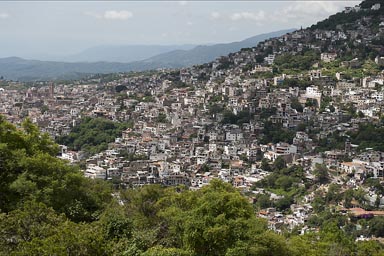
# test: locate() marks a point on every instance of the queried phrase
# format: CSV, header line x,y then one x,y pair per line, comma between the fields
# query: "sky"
x,y
42,28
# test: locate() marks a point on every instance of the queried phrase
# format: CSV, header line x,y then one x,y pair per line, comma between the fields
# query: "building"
x,y
95,172
328,57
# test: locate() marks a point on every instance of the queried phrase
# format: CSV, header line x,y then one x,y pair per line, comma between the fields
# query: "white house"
x,y
95,172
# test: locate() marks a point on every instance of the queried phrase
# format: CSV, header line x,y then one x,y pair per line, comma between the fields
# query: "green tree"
x,y
295,104
265,165
263,201
377,226
221,218
92,135
279,164
161,251
321,173
32,220
373,248
31,171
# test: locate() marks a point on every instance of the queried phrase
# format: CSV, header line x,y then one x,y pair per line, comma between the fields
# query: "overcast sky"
x,y
31,28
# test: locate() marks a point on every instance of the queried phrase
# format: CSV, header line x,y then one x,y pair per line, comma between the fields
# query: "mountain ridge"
x,y
121,53
15,68
206,53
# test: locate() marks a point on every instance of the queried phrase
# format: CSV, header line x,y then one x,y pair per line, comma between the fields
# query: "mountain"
x,y
122,53
173,55
14,68
204,53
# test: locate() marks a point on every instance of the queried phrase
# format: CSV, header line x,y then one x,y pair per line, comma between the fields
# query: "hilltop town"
x,y
295,123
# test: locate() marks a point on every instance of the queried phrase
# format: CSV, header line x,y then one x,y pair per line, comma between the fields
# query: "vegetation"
x,y
299,62
240,118
276,133
92,135
367,137
369,67
301,83
347,18
295,104
30,171
161,118
283,181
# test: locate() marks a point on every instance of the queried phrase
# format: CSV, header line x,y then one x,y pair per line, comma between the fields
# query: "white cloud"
x,y
4,15
111,15
215,15
183,3
118,15
189,23
311,10
255,16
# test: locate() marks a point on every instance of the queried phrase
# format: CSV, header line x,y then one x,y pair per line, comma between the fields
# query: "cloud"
x,y
215,15
189,23
112,15
118,15
313,10
183,3
4,15
255,16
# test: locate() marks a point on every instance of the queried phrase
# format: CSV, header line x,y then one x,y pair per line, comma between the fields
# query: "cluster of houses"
x,y
180,135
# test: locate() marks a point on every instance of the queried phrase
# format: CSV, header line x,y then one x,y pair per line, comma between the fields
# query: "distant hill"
x,y
122,53
203,54
14,68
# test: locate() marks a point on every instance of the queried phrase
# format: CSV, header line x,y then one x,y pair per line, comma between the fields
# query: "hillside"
x,y
203,54
351,17
355,37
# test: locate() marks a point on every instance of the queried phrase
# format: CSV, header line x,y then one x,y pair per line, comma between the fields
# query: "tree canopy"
x,y
92,135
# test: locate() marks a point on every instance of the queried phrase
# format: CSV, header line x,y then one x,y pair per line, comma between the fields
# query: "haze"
x,y
43,30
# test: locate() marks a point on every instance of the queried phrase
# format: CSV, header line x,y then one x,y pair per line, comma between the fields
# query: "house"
x,y
351,167
95,172
328,57
284,150
270,59
176,179
379,60
234,135
375,7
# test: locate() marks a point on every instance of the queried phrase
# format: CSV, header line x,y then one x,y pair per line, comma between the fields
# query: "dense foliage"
x,y
303,61
92,135
30,171
275,133
367,137
283,181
